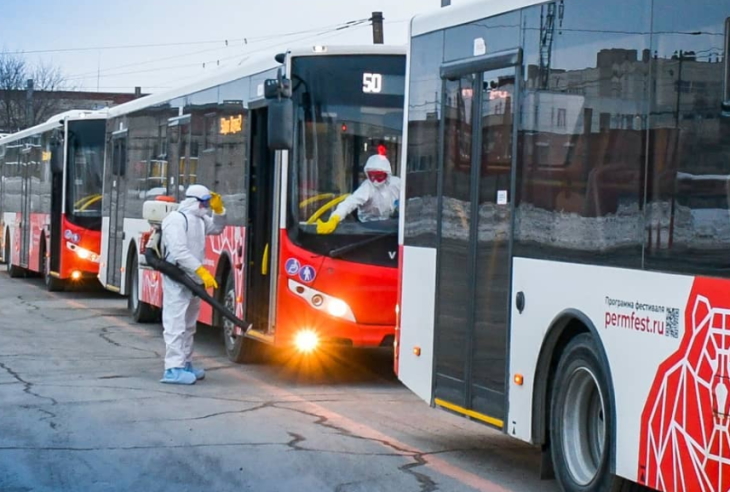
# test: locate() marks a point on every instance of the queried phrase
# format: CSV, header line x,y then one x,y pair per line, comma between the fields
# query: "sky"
x,y
114,45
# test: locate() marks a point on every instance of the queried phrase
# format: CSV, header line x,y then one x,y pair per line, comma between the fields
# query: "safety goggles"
x,y
204,201
377,176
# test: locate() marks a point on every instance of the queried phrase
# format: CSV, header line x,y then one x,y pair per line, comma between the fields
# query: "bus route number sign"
x,y
372,83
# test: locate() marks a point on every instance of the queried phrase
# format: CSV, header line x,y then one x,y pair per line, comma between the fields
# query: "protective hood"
x,y
378,163
192,206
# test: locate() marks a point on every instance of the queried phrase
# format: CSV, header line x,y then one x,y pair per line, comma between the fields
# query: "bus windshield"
x,y
349,108
85,167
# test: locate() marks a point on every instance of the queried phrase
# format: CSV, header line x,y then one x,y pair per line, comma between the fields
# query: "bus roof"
x,y
54,122
251,66
455,15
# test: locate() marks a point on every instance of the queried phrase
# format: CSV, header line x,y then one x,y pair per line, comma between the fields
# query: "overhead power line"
x,y
334,30
245,40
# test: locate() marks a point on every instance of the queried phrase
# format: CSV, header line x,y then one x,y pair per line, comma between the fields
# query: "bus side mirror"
x,y
281,124
56,158
278,92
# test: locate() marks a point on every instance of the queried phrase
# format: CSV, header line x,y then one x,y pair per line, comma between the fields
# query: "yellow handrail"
x,y
316,215
315,199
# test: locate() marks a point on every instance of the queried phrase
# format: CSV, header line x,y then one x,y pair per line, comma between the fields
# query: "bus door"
x,y
260,245
178,148
57,152
26,156
476,192
116,208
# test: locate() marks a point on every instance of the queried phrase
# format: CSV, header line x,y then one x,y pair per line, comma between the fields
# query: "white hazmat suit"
x,y
183,235
373,201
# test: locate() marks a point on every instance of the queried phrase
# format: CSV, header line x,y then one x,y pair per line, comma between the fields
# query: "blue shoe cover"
x,y
199,373
178,375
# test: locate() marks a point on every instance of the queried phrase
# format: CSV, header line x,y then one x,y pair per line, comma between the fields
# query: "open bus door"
x,y
475,229
260,240
57,167
116,209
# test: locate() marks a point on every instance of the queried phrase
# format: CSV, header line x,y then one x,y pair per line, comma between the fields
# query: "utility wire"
x,y
159,45
218,60
247,41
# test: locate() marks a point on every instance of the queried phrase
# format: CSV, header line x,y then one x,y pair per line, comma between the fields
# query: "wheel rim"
x,y
228,327
584,426
46,267
134,293
7,253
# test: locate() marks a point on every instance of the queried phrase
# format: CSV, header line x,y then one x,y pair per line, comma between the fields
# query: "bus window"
x,y
338,130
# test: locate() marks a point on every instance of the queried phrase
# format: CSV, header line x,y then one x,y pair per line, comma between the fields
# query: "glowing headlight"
x,y
337,307
323,302
306,341
83,253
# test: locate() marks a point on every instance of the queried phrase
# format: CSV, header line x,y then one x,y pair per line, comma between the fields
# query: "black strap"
x,y
186,220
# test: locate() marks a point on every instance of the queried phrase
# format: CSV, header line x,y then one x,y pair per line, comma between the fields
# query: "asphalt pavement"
x,y
82,409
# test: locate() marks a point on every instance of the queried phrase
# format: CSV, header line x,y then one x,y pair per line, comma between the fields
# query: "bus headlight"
x,y
337,307
323,302
83,253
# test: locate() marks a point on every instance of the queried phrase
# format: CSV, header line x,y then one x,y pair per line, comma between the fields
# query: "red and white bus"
x,y
565,233
50,198
296,287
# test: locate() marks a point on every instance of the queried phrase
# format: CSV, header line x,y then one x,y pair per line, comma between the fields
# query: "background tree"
x,y
15,71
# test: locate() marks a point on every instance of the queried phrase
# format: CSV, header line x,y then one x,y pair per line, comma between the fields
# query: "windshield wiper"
x,y
336,253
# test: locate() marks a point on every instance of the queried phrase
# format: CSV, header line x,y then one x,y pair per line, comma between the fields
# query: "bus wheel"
x,y
53,284
13,271
6,250
239,349
580,421
142,312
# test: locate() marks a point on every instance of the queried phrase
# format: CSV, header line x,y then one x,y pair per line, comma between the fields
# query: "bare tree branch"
x,y
14,74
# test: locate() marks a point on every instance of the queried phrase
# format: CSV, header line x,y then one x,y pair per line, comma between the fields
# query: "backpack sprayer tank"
x,y
154,212
152,248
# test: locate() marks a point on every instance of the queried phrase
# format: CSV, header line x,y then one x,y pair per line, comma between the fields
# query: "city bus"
x,y
296,287
564,233
50,199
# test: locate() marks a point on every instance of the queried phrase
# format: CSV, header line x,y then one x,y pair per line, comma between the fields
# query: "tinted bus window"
x,y
582,135
424,116
688,201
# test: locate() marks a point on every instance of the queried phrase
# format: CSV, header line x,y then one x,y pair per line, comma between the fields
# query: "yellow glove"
x,y
329,226
207,278
216,203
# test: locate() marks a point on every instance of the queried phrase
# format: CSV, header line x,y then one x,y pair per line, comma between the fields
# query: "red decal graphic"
x,y
230,241
685,441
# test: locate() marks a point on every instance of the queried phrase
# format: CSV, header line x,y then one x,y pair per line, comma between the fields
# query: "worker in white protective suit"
x,y
183,236
375,199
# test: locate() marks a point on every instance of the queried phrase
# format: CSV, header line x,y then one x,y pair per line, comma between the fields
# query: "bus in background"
x,y
564,233
296,287
50,198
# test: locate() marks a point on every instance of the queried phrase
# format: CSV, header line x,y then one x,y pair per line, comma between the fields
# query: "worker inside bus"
x,y
375,199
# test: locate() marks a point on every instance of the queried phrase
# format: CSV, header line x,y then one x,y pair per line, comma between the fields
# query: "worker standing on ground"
x,y
183,236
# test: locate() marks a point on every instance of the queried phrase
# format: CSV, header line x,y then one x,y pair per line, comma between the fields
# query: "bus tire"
x,y
239,349
141,311
53,284
13,271
581,413
6,248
